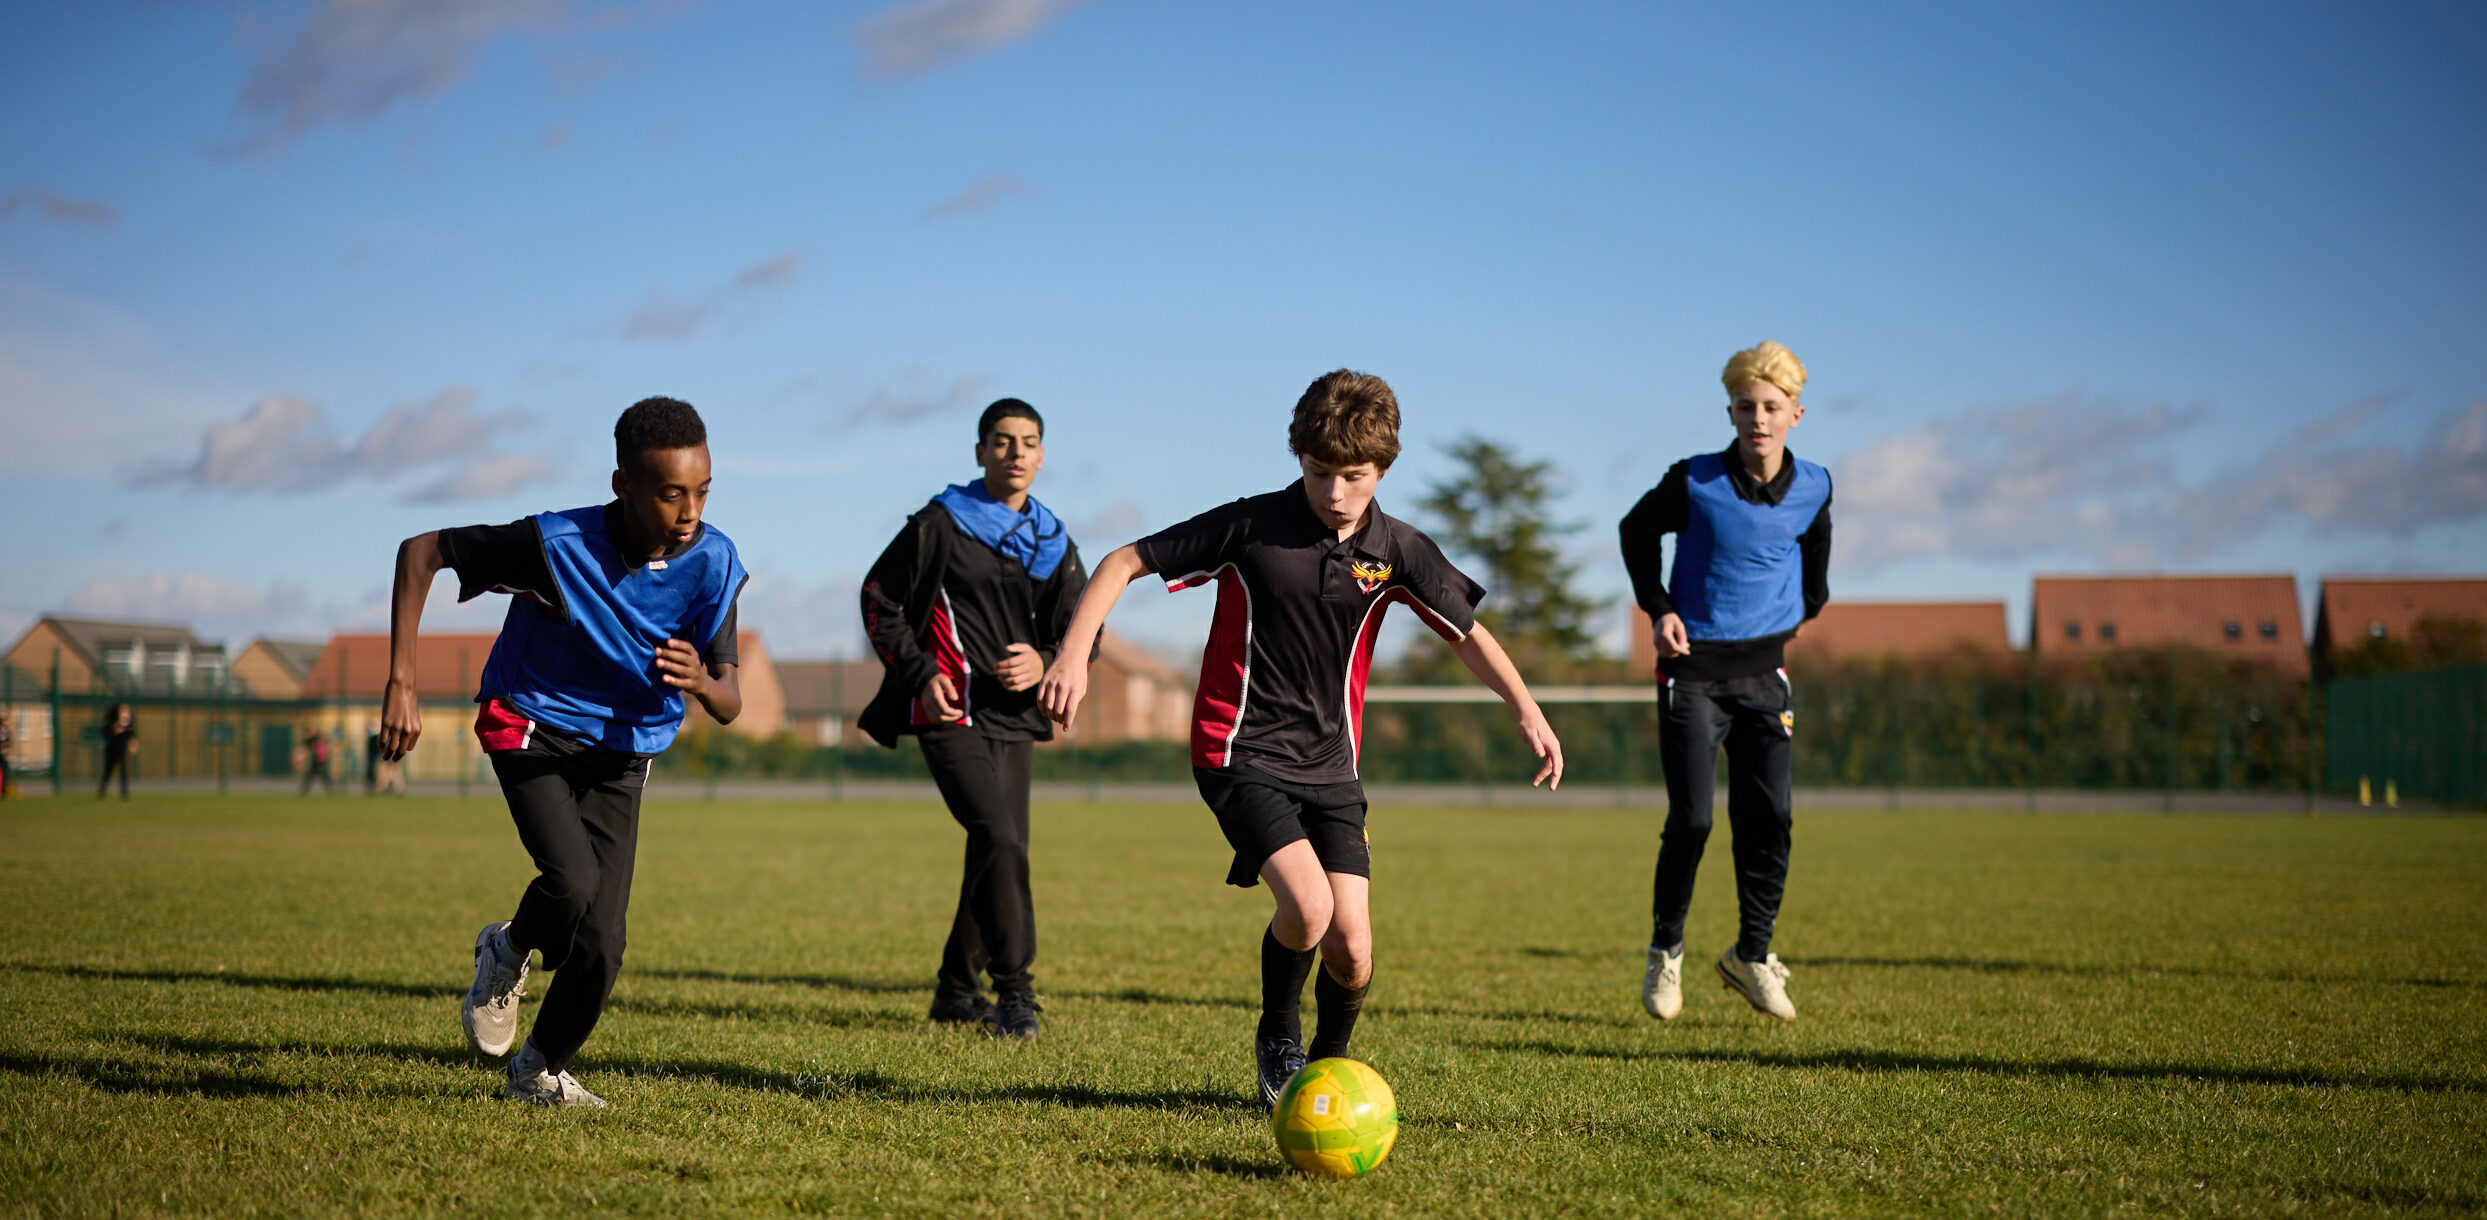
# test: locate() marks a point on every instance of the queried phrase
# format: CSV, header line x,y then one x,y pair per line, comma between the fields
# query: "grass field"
x,y
248,1006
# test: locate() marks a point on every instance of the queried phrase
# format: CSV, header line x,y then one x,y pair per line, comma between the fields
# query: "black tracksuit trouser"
x,y
577,810
1752,718
985,783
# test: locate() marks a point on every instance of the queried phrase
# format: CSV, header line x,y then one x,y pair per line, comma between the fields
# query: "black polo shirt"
x,y
1282,678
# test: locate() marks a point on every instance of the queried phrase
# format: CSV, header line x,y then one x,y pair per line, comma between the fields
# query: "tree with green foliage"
x,y
1495,516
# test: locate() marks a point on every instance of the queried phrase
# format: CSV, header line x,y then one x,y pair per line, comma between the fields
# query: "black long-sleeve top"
x,y
938,600
1666,509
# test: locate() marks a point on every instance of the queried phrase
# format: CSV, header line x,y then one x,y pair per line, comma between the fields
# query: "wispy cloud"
x,y
357,59
660,316
918,394
927,35
285,444
980,196
235,612
2078,478
52,205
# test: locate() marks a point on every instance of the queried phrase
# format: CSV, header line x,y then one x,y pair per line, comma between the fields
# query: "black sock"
x,y
1282,988
1338,1005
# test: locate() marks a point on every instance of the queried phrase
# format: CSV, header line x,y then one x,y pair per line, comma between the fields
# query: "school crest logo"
x,y
1369,576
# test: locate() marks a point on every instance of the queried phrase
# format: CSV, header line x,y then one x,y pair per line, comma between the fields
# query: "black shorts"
x,y
1259,815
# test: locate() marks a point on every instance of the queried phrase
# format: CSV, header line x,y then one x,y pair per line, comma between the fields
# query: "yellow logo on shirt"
x,y
1369,576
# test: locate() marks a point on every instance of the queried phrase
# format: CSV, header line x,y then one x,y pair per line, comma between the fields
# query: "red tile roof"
x,y
1853,630
2356,608
2248,618
357,666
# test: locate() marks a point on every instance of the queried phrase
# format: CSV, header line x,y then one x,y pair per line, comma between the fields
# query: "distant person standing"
x,y
965,608
1752,526
120,741
315,752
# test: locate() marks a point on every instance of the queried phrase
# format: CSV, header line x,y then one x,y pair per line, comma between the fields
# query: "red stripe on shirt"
x,y
941,639
1225,672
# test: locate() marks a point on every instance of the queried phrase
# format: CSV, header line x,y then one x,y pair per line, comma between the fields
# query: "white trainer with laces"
x,y
490,1010
528,1081
1763,984
1662,986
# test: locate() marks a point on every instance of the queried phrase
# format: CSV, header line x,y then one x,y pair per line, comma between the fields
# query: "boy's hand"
x,y
1541,742
1670,637
401,720
1021,667
940,696
1064,686
679,665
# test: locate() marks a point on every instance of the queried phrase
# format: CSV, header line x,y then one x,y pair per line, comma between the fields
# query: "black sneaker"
x,y
1014,1016
960,1009
1279,1059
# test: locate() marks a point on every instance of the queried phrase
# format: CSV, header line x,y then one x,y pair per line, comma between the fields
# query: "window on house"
x,y
2374,630
2106,633
2232,629
2072,630
2270,628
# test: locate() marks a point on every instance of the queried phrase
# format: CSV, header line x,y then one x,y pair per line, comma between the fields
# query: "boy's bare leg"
x,y
1296,879
1301,921
1347,965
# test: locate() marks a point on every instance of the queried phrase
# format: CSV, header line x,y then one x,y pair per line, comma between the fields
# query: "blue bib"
x,y
594,678
1035,538
1739,573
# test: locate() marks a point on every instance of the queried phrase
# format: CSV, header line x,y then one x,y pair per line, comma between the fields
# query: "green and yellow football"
x,y
1336,1118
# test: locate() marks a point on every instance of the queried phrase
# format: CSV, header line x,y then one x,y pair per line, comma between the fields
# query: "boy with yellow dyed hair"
x,y
1752,525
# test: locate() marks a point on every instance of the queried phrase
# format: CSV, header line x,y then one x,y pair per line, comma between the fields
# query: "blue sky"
x,y
2083,288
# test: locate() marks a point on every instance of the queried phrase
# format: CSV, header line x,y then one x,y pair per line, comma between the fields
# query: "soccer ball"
x,y
1336,1119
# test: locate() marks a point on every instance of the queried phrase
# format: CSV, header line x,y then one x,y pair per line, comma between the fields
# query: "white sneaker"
x,y
490,1010
528,1081
1662,988
1763,984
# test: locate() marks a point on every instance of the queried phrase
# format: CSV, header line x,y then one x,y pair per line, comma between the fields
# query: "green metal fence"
x,y
2410,736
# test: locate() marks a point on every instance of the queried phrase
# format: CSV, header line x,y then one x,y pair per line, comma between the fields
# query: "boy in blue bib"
x,y
1752,528
618,611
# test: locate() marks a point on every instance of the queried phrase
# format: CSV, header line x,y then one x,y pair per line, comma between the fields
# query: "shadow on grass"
x,y
1977,965
1217,1163
276,982
194,1077
869,1083
827,982
2083,1069
748,1011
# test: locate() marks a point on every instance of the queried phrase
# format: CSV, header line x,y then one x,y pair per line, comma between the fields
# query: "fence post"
x,y
1485,757
2029,725
56,760
2169,730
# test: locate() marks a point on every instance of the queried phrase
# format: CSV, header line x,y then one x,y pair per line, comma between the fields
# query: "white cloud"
x,y
236,612
2080,479
52,205
482,479
662,317
919,394
980,196
801,621
286,444
927,35
357,59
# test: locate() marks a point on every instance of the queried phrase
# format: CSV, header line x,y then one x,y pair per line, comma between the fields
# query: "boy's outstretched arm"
x,y
1067,682
714,685
401,716
1486,659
